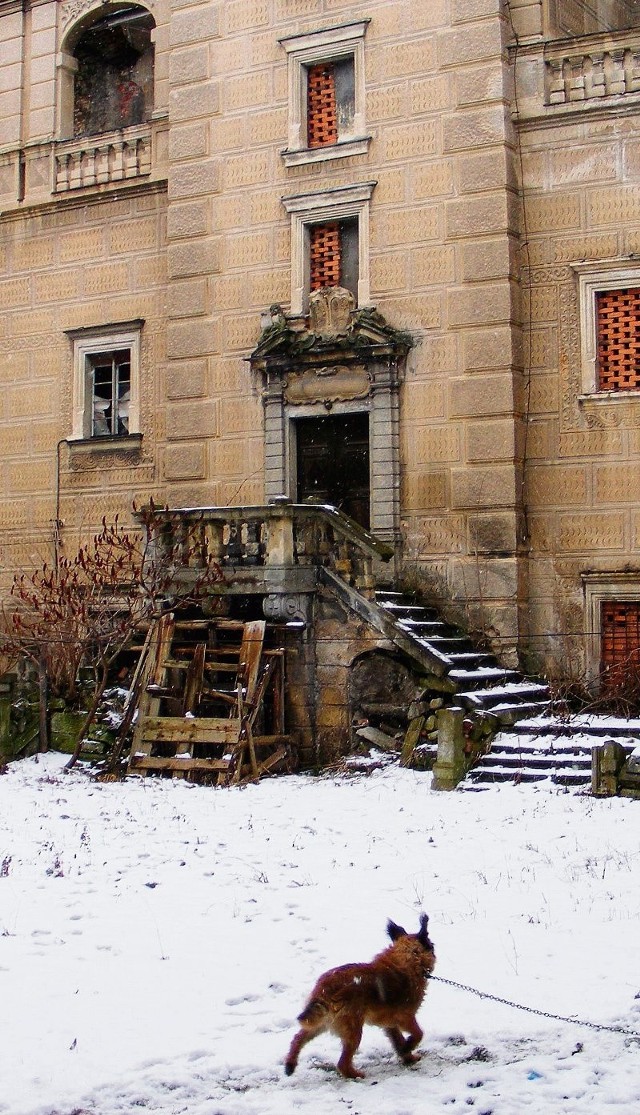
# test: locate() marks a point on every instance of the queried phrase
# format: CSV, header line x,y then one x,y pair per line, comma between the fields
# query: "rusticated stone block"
x,y
495,532
188,141
137,235
188,421
435,444
472,217
191,338
558,486
490,441
468,129
184,462
197,25
187,220
186,379
410,140
485,395
246,15
187,259
617,483
490,348
192,101
187,66
485,304
483,487
187,298
194,179
592,533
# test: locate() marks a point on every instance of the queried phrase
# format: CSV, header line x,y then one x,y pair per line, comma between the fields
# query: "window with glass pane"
x,y
109,389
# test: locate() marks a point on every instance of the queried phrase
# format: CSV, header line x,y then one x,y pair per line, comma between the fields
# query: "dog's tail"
x,y
314,1014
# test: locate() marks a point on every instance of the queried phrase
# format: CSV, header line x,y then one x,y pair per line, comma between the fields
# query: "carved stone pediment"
x,y
330,311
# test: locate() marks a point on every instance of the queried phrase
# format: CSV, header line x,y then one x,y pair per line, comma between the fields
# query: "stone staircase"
x,y
549,747
479,683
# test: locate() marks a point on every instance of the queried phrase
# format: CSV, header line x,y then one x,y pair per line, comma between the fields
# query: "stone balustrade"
x,y
591,73
100,160
273,545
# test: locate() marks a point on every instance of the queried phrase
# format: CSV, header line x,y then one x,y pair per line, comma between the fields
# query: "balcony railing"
x,y
99,160
592,73
271,546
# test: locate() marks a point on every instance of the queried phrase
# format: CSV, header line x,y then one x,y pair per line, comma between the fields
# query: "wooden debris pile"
x,y
207,699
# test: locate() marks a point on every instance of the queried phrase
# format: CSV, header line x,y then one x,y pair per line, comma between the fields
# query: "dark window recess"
x,y
333,463
333,255
109,393
330,102
620,646
113,85
618,339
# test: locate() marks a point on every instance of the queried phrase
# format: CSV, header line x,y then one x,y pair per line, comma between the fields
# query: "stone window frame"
x,y
592,279
598,589
91,341
317,208
311,48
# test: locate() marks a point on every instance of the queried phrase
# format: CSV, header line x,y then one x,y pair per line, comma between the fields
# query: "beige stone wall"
x,y
197,243
580,168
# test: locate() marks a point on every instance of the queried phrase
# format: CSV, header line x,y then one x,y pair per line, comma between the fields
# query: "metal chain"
x,y
532,1010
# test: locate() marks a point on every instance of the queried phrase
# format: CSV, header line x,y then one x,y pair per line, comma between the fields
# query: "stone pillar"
x,y
449,767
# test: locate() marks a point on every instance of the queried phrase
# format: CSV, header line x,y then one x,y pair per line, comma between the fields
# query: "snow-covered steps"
x,y
542,748
525,758
480,683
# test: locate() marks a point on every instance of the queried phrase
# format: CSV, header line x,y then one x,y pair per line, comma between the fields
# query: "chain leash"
x,y
532,1010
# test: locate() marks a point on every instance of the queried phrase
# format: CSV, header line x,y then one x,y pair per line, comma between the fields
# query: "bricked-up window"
x,y
620,645
333,255
113,84
618,339
330,102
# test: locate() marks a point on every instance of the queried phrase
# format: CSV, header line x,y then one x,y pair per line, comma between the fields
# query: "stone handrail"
x,y
98,160
281,535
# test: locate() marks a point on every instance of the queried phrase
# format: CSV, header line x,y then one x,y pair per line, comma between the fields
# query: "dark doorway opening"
x,y
333,463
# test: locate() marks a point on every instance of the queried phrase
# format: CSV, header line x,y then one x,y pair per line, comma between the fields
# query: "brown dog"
x,y
387,992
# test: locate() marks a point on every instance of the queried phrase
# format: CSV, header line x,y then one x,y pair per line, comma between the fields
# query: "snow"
x,y
158,939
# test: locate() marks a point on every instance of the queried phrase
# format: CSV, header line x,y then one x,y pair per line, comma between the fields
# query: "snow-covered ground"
x,y
157,941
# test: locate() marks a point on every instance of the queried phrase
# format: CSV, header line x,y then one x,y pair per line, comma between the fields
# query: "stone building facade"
x,y
177,178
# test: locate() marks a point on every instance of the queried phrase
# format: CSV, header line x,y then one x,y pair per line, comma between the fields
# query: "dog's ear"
x,y
395,931
423,935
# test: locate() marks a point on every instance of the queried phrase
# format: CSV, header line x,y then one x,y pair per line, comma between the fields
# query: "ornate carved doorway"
x,y
332,463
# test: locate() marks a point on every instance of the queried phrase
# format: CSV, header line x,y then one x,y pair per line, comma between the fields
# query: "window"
x,y
106,381
618,339
107,71
586,17
620,646
612,618
609,295
333,255
326,94
330,243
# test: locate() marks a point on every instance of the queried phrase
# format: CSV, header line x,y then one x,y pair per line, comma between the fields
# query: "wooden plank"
x,y
193,682
152,671
150,762
171,729
250,655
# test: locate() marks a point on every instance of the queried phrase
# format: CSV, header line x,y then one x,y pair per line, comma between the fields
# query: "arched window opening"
x,y
586,17
113,83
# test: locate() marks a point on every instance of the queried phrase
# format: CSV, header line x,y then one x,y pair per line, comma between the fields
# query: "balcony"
x,y
102,160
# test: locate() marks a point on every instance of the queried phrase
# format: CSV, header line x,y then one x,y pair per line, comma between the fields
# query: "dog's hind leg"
x,y
350,1035
300,1040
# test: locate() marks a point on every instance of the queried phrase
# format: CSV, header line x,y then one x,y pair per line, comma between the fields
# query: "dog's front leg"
x,y
407,1056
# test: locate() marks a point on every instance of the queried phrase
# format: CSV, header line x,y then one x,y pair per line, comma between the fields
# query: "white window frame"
x,y
598,589
310,49
91,342
592,279
318,208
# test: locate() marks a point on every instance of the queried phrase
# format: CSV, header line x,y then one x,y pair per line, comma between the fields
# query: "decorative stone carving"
x,y
330,311
333,384
286,607
72,10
